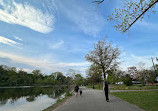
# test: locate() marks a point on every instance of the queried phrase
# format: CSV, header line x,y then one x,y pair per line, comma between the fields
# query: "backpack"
x,y
76,88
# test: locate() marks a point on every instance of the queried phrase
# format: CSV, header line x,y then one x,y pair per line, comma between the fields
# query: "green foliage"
x,y
94,74
127,80
156,72
12,77
111,79
79,80
68,93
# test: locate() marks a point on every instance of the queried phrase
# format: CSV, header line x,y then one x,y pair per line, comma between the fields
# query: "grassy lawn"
x,y
124,87
96,87
133,87
147,100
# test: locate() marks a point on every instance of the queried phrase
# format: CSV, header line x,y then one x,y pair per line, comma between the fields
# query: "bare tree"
x,y
104,55
144,73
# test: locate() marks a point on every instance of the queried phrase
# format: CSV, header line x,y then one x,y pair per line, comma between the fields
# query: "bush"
x,y
128,81
68,93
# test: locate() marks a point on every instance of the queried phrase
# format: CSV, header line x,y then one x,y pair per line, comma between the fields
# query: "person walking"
x,y
106,90
76,90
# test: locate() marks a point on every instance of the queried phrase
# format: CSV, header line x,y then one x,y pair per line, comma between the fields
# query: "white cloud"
x,y
18,38
45,65
84,16
134,60
23,105
26,15
24,69
148,25
56,45
8,41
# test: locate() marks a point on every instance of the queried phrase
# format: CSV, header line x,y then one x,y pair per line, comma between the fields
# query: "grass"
x,y
147,100
96,87
133,87
124,87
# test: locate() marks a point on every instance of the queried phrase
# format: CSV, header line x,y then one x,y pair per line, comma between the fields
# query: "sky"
x,y
55,35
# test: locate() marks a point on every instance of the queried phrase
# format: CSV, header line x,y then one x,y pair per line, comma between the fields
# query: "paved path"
x,y
94,100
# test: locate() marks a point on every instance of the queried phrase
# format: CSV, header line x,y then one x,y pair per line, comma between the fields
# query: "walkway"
x,y
94,100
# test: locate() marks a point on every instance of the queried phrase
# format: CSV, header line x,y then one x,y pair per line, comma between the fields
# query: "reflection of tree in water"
x,y
29,93
31,98
55,94
2,102
13,100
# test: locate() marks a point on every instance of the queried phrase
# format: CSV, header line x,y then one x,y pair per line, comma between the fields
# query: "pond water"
x,y
29,98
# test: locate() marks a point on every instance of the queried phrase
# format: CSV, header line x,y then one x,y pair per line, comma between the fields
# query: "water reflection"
x,y
15,97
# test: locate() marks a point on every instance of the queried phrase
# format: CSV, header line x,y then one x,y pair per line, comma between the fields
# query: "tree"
x,y
23,77
59,77
133,72
146,76
104,55
127,80
94,74
36,72
132,11
111,76
9,76
71,73
156,66
119,75
78,79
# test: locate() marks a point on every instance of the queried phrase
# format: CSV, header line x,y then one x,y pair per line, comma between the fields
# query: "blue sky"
x,y
55,35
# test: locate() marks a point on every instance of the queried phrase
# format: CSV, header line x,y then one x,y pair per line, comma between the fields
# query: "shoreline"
x,y
1,87
58,103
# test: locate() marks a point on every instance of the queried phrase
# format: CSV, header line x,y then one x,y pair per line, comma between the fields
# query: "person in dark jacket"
x,y
76,90
106,90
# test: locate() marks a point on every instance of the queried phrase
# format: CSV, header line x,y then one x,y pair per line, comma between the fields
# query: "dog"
x,y
80,92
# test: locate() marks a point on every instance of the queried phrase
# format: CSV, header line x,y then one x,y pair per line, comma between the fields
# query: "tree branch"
x,y
98,2
140,15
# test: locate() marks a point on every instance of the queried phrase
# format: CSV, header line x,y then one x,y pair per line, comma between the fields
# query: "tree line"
x,y
10,76
133,75
104,66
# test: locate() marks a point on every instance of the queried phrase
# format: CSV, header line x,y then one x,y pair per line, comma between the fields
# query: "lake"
x,y
29,98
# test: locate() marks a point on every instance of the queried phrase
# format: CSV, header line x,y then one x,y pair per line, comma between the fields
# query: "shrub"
x,y
127,80
68,93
